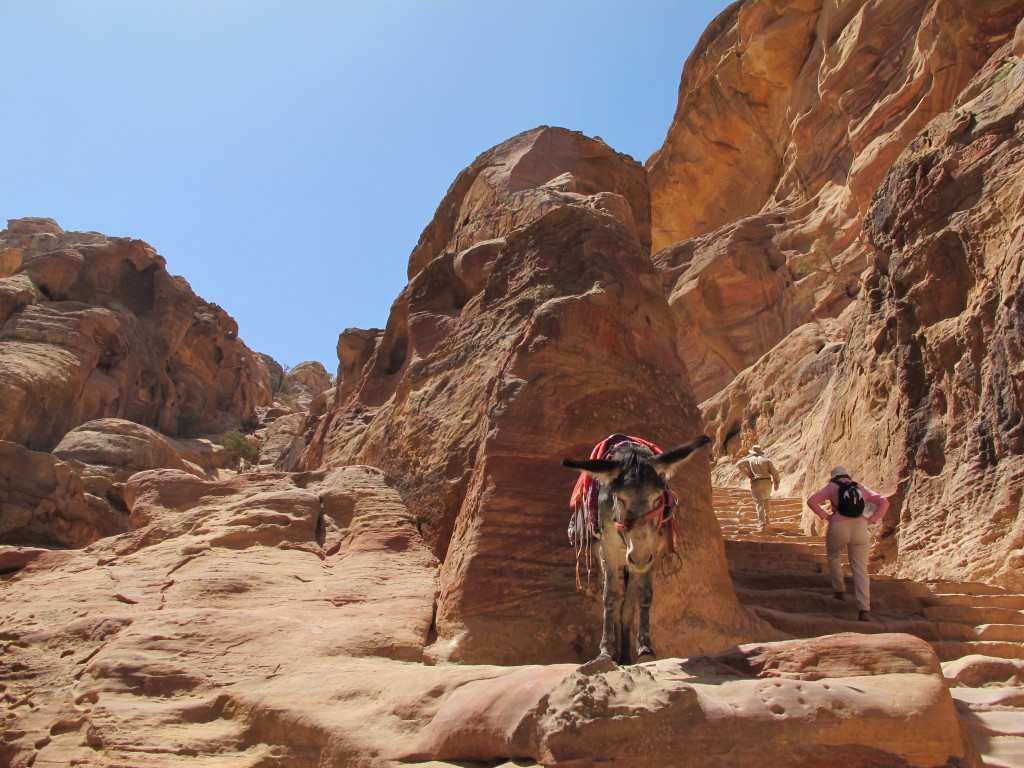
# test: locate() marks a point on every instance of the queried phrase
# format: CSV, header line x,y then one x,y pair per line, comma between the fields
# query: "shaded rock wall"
x,y
504,356
942,335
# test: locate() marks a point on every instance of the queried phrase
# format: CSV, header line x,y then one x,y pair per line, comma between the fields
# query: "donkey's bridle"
x,y
656,514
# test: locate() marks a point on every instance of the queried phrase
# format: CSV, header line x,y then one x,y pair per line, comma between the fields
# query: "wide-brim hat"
x,y
756,450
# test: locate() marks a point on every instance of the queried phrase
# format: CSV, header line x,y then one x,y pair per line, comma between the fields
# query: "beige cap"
x,y
838,471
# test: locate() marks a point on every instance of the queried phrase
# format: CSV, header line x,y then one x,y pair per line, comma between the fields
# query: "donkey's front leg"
x,y
644,584
611,629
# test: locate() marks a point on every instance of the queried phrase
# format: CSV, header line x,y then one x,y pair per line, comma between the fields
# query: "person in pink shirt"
x,y
848,524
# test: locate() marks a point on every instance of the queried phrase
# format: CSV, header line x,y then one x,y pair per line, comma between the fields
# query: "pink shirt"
x,y
830,493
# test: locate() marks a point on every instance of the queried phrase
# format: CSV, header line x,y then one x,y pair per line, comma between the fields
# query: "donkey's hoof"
x,y
602,663
646,654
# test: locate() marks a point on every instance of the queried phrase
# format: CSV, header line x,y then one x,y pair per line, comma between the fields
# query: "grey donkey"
x,y
634,526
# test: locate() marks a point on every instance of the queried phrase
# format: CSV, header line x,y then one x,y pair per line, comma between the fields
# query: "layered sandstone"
x,y
305,382
789,116
833,305
280,618
96,327
115,366
533,327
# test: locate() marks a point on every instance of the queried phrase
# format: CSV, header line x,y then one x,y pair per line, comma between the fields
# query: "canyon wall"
x,y
108,365
782,200
836,226
96,327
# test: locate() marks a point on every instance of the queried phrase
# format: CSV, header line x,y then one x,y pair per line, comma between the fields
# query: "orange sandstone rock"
x,y
536,328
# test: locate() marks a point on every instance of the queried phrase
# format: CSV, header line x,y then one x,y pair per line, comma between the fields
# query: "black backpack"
x,y
851,502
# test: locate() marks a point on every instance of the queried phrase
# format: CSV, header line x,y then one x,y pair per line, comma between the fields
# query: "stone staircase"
x,y
976,629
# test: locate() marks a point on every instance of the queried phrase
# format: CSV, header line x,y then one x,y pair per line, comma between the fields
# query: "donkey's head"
x,y
633,489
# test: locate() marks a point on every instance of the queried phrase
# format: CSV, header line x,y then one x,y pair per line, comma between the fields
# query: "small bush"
x,y
238,444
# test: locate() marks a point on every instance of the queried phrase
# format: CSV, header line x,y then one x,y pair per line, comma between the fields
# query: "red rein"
x,y
658,513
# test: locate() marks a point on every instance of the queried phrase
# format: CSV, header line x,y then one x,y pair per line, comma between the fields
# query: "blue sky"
x,y
285,156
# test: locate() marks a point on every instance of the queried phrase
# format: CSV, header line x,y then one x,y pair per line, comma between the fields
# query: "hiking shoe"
x,y
863,616
839,595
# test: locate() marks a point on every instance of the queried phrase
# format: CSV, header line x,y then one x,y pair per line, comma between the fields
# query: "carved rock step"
x,y
989,695
976,629
762,549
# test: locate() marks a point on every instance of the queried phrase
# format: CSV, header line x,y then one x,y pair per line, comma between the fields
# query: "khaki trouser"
x,y
852,533
761,490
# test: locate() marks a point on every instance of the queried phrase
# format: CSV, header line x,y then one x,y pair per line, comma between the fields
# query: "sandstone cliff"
x,y
790,115
96,327
533,326
837,264
836,215
115,366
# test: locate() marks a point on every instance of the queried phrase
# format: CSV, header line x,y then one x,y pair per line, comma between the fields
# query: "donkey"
x,y
633,523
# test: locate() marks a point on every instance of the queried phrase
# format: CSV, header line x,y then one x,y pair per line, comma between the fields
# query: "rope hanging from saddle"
x,y
583,523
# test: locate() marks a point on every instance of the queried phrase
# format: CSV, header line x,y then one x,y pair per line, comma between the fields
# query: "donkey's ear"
x,y
604,470
666,463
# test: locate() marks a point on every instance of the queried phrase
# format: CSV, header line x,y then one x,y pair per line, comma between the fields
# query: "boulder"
x,y
46,502
106,452
800,703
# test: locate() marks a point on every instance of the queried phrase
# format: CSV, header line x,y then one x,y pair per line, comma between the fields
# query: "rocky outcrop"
x,y
45,502
96,327
75,495
517,181
851,305
654,713
305,381
284,443
789,117
281,618
499,359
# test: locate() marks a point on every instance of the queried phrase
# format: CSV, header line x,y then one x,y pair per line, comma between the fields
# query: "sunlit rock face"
x,y
942,334
836,212
115,366
790,115
95,326
283,618
536,328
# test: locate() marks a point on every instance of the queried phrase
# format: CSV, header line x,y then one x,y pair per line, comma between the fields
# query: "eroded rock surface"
x,y
796,704
501,357
281,618
857,303
789,117
96,327
229,603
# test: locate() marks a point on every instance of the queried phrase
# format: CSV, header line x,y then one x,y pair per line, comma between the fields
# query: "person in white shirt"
x,y
763,476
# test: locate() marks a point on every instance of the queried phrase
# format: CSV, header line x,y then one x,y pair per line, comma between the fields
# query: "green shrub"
x,y
238,444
